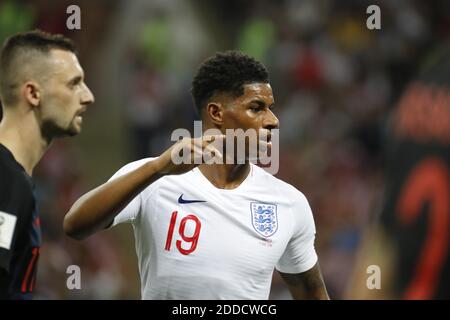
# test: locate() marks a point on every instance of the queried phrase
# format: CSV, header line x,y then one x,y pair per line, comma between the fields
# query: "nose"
x,y
271,121
87,97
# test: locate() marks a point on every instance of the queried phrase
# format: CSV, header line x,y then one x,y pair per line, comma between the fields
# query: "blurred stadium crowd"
x,y
334,82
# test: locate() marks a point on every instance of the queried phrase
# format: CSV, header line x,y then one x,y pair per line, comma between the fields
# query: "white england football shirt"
x,y
196,241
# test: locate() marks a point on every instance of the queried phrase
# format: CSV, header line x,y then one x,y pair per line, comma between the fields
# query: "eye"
x,y
256,108
75,83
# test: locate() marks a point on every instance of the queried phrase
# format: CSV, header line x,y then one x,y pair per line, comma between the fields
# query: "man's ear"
x,y
32,93
214,112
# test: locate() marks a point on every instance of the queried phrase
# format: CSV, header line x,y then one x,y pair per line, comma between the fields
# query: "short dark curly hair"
x,y
226,72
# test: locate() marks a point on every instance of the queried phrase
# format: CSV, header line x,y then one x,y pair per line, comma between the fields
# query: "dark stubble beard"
x,y
50,130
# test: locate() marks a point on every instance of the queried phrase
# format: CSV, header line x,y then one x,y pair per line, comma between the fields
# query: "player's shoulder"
x,y
279,186
16,187
8,165
137,163
13,176
132,166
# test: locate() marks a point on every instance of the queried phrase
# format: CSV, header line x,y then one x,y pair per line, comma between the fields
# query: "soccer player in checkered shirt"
x,y
43,97
211,231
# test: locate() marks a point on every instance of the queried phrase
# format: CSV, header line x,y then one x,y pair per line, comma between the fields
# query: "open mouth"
x,y
80,112
265,136
78,117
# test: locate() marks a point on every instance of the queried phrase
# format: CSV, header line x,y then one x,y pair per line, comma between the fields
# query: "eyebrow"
x,y
260,103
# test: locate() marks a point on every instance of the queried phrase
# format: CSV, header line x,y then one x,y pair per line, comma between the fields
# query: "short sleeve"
x,y
300,254
131,211
8,235
17,203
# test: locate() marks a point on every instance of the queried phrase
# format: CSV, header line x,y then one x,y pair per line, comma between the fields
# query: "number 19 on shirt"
x,y
181,231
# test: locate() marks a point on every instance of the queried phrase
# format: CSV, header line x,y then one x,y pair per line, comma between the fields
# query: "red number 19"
x,y
190,239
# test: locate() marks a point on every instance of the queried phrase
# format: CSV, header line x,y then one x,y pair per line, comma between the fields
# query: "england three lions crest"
x,y
264,218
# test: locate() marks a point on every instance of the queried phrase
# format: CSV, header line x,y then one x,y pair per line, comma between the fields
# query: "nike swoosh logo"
x,y
181,200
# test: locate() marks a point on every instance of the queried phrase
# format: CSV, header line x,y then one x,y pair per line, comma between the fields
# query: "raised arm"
x,y
306,285
96,209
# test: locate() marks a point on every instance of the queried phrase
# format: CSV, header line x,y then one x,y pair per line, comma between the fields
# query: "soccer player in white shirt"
x,y
211,231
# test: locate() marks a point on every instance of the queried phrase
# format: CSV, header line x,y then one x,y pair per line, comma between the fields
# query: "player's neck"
x,y
225,176
21,134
